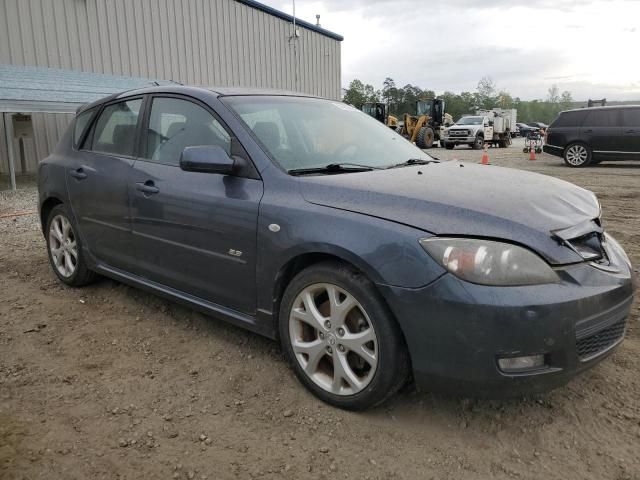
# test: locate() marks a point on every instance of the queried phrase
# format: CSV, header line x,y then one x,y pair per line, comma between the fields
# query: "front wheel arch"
x,y
403,371
302,261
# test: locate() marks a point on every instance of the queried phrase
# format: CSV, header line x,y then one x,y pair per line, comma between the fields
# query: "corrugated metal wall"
x,y
47,128
201,42
197,42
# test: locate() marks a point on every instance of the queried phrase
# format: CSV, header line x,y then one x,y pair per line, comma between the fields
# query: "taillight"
x,y
546,135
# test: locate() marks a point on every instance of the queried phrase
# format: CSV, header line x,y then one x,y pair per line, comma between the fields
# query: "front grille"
x,y
459,133
592,345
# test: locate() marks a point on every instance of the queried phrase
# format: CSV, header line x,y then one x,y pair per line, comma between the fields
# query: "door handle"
x,y
147,187
588,131
78,173
630,131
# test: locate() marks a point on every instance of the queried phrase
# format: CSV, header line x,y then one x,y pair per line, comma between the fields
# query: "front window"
x,y
424,108
175,124
470,121
300,133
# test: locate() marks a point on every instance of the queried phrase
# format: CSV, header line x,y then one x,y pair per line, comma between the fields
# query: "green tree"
x,y
553,95
566,100
358,94
486,93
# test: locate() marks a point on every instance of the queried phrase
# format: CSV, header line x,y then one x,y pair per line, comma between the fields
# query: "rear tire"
x,y
425,137
323,334
64,246
577,155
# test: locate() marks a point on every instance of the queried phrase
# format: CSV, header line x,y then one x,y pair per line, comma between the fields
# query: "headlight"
x,y
617,248
489,263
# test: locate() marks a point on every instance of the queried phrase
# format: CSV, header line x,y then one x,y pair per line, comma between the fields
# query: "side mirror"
x,y
206,159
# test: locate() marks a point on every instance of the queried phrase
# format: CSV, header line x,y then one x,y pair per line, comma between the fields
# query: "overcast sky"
x,y
589,48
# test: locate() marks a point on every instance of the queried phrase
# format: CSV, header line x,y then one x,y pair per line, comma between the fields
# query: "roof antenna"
x,y
318,20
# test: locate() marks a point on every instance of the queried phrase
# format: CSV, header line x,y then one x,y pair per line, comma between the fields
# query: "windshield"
x,y
369,110
470,121
300,132
423,108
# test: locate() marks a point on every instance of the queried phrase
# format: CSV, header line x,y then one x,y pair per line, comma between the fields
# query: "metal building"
x,y
198,42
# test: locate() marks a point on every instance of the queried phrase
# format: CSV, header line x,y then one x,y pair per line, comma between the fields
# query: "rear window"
x,y
115,129
631,117
80,126
601,118
569,119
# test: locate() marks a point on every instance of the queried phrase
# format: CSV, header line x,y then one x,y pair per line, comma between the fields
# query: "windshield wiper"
x,y
414,161
334,168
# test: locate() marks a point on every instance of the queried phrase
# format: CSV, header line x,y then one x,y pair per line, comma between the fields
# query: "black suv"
x,y
591,135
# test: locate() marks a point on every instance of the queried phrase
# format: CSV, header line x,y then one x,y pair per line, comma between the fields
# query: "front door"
x,y
97,181
194,232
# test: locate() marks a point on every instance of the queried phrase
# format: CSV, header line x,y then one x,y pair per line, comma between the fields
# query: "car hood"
x,y
455,198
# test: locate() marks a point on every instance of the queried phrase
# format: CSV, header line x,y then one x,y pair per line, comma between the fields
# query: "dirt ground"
x,y
109,382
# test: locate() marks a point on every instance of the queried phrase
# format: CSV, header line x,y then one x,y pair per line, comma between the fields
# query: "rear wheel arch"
x,y
578,143
45,210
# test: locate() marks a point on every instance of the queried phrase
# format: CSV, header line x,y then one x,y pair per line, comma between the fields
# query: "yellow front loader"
x,y
426,127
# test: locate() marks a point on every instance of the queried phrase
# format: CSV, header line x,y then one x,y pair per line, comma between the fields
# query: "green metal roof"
x,y
41,89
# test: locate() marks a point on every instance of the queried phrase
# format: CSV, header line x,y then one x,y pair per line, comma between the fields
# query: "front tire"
x,y
479,143
425,137
577,155
449,146
65,249
340,338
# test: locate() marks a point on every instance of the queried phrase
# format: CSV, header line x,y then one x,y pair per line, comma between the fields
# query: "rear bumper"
x,y
456,331
553,150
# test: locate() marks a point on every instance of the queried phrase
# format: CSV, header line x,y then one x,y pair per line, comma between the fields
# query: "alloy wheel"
x,y
333,339
63,246
577,155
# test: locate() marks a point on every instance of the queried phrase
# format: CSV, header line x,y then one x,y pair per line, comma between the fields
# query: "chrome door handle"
x,y
147,187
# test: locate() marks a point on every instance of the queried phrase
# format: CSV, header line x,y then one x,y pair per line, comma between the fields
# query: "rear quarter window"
x,y
569,119
80,126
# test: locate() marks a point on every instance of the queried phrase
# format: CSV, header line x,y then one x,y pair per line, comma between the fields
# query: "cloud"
x,y
524,46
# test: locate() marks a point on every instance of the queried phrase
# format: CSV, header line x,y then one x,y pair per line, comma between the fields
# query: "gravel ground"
x,y
109,382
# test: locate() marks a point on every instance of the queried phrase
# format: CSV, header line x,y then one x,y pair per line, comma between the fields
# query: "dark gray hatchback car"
x,y
307,221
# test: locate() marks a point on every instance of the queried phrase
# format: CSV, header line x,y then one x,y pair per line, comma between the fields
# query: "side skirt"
x,y
261,325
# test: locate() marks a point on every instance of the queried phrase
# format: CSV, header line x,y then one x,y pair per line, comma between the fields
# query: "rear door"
x,y
602,131
97,182
631,131
194,232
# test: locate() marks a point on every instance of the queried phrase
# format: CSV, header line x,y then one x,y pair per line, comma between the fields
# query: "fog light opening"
x,y
521,364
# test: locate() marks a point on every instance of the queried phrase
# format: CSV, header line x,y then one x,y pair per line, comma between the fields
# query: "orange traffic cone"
x,y
532,153
485,156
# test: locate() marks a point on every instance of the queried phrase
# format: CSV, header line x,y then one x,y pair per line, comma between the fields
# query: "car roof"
x,y
608,107
197,91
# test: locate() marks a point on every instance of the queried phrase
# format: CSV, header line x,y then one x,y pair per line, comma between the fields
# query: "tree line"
x,y
403,100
